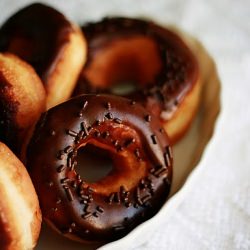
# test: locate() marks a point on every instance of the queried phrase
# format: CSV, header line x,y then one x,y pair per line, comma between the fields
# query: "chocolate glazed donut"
x,y
134,190
47,40
32,33
161,66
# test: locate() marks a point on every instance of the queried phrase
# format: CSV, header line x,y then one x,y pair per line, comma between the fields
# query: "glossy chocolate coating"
x,y
139,183
37,34
179,70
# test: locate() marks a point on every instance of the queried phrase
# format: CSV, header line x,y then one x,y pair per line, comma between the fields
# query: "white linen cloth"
x,y
215,210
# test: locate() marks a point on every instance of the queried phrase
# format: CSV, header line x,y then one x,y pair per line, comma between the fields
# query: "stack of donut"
x,y
136,95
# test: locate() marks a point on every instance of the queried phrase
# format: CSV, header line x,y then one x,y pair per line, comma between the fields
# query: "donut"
x,y
133,191
54,46
20,216
22,100
146,62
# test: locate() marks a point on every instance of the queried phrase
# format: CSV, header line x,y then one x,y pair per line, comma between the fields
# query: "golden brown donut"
x,y
20,216
132,192
22,100
162,72
53,45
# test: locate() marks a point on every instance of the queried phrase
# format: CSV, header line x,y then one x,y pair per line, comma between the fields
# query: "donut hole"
x,y
96,163
124,64
104,168
123,88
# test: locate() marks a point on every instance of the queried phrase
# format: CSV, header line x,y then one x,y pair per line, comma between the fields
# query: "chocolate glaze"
x,y
9,127
37,34
131,193
179,70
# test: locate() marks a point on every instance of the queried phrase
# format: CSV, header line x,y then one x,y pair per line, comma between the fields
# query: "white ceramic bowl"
x,y
187,154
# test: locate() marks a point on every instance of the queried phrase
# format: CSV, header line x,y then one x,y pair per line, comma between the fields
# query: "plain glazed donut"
x,y
20,216
163,70
134,190
22,100
54,46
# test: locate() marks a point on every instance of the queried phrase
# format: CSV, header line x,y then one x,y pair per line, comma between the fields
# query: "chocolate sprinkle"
x,y
117,197
160,171
84,202
148,118
146,198
95,214
60,155
109,116
69,230
64,180
71,133
84,128
68,149
52,132
90,189
78,177
60,168
128,204
118,228
98,122
122,190
86,215
84,104
167,159
100,209
54,209
153,137
50,183
68,193
118,120
111,198
69,162
139,201
108,105
85,197
142,182
105,134
58,201
74,184
129,142
80,114
97,133
116,143
169,151
137,153
86,208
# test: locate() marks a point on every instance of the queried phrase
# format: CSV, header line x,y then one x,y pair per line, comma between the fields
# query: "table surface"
x,y
214,213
